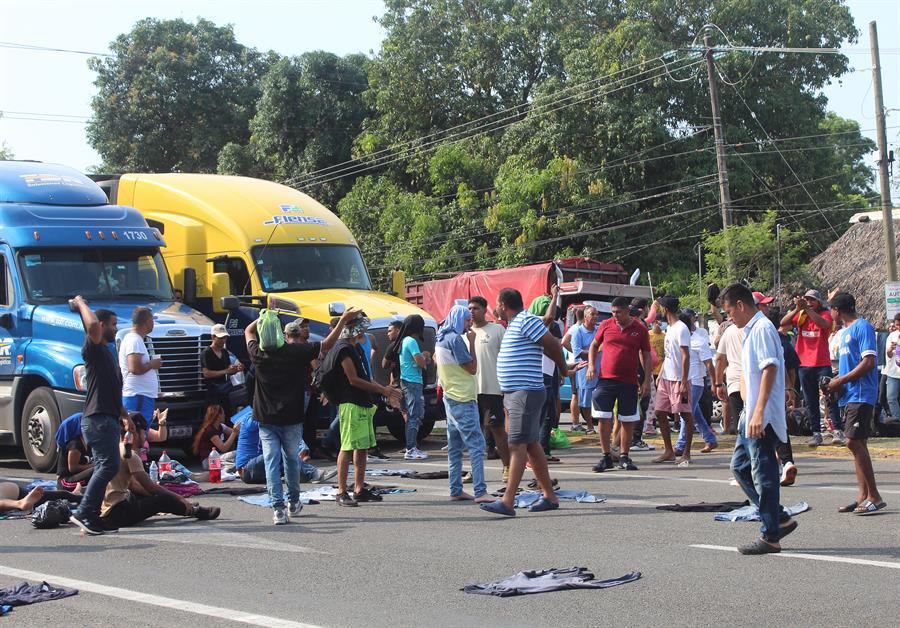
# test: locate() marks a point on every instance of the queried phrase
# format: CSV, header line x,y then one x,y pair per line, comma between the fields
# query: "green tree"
x,y
6,152
172,95
310,111
755,250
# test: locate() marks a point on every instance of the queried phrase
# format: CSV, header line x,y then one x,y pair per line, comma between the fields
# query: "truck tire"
x,y
397,427
40,420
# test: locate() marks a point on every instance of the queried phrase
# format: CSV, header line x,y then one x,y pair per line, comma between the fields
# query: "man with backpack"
x,y
345,379
282,371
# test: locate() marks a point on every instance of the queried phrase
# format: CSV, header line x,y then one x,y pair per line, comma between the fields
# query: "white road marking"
x,y
192,533
820,557
156,600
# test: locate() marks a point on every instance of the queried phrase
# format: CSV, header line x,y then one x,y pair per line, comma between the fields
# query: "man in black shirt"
x,y
280,387
355,395
217,369
104,414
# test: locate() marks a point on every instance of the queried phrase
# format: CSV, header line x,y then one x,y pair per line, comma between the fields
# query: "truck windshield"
x,y
291,267
53,275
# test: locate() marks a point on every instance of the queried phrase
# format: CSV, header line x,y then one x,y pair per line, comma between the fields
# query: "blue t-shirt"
x,y
249,446
409,370
857,342
581,340
519,360
366,347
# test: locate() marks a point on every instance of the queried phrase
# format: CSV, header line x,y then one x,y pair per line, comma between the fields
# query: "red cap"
x,y
762,299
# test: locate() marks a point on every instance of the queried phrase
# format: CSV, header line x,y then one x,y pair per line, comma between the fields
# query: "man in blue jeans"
x,y
456,366
104,415
280,387
754,462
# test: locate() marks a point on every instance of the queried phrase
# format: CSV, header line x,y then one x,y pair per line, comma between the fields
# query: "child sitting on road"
x,y
214,434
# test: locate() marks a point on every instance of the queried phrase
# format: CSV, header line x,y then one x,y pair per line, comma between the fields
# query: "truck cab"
x,y
237,244
60,237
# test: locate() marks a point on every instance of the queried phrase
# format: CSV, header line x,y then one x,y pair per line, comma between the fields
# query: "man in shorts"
x,y
673,392
626,344
522,383
488,337
578,341
857,388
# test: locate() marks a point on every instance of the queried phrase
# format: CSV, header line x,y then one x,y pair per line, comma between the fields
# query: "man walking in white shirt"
x,y
140,370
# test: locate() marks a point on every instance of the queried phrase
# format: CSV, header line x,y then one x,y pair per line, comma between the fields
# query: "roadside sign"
x,y
892,298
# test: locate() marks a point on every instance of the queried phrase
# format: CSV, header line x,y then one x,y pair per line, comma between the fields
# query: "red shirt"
x,y
812,340
621,349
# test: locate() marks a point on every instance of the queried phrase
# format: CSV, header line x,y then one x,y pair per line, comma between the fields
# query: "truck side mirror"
x,y
282,304
189,293
336,309
229,303
398,283
221,287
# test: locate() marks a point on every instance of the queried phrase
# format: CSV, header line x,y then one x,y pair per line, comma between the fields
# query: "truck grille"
x,y
382,376
181,371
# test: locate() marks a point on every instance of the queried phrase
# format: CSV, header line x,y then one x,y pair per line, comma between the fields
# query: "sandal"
x,y
757,548
868,507
849,507
787,527
498,508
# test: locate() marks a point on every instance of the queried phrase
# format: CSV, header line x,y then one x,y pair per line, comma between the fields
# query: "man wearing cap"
x,y
814,323
218,365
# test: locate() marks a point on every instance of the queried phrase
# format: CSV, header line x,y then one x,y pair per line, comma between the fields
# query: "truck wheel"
x,y
425,428
40,420
396,426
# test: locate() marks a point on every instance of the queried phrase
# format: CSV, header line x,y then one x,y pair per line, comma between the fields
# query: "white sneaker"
x,y
420,455
294,509
280,517
323,475
838,438
590,431
733,482
788,474
410,454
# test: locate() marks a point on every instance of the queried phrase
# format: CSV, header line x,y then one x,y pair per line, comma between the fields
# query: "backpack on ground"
x,y
268,327
51,514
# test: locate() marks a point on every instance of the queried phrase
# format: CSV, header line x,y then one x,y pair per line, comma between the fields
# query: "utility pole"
x,y
887,213
719,131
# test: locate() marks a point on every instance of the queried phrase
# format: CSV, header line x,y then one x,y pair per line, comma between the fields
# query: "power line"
x,y
16,46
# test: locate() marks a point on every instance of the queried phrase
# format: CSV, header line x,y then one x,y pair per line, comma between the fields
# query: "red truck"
x,y
580,279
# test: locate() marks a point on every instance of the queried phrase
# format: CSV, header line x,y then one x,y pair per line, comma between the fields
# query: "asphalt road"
x,y
402,562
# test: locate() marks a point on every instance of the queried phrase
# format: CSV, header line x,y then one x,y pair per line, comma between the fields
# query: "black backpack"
x,y
326,380
51,514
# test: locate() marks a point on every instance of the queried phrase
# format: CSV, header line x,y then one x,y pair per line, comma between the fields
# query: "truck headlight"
x,y
79,375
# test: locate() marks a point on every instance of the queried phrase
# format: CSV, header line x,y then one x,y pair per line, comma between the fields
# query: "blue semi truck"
x,y
59,237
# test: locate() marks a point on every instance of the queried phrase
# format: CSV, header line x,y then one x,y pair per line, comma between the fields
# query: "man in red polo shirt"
x,y
813,322
625,343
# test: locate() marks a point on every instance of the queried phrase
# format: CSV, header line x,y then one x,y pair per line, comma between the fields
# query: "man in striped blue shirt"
x,y
522,382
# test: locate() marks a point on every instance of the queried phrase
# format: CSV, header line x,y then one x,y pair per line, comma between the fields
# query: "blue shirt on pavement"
x,y
857,342
762,348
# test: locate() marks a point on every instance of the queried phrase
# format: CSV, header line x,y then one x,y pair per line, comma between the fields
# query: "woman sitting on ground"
x,y
214,434
132,497
15,497
74,468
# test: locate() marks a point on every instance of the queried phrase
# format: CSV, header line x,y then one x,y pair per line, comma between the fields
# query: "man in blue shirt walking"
x,y
857,388
763,424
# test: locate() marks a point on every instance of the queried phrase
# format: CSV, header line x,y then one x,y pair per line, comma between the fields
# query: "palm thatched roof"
x,y
855,263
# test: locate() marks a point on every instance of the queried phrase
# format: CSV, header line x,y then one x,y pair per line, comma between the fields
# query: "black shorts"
x,y
490,408
608,393
858,420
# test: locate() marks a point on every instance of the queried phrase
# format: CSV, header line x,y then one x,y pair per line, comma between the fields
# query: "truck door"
x,y
9,333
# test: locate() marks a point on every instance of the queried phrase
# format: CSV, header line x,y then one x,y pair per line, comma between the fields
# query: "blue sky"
x,y
56,83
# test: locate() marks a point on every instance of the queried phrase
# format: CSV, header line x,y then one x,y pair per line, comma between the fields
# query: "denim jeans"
x,y
550,414
102,433
464,432
709,437
755,467
809,385
893,396
254,472
281,446
414,400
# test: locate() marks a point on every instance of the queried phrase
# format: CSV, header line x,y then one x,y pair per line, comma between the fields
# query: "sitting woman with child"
x,y
214,434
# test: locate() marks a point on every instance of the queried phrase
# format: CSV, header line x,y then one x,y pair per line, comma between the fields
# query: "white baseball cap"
x,y
219,331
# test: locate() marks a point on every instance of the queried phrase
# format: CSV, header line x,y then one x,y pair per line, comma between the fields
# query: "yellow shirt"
x,y
658,342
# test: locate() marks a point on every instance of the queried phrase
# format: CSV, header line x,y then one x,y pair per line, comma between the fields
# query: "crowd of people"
x,y
500,385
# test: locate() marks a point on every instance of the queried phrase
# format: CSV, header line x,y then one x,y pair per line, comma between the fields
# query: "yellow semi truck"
x,y
236,244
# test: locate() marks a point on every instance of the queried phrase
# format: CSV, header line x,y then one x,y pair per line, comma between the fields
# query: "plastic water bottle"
x,y
215,467
165,463
154,471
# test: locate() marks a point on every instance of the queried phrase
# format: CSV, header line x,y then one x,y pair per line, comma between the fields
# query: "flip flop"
x,y
498,508
849,507
868,507
787,528
543,504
